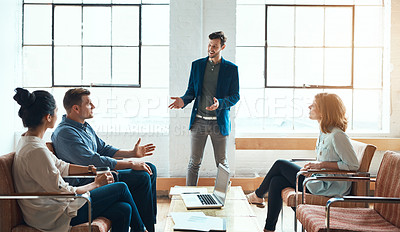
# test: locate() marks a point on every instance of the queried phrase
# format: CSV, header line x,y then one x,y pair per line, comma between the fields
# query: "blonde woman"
x,y
334,152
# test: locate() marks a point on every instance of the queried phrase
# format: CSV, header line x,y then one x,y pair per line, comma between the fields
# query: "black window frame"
x,y
351,86
82,5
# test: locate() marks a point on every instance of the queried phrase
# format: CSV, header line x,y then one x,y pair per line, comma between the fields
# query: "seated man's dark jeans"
x,y
143,189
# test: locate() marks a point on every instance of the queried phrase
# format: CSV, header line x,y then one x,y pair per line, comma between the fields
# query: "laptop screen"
x,y
221,183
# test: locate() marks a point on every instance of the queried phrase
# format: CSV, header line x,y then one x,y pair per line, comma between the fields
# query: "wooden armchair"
x,y
365,152
10,212
384,216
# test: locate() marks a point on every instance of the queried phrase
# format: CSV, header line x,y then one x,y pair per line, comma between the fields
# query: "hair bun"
x,y
24,97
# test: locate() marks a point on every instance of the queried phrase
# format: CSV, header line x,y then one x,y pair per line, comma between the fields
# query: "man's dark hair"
x,y
218,35
34,106
74,97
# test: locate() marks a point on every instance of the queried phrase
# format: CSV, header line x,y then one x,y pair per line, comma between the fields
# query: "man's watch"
x,y
90,169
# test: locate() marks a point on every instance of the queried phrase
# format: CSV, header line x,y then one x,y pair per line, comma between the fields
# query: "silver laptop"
x,y
210,200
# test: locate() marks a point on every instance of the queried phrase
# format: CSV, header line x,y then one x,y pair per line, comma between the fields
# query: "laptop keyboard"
x,y
206,199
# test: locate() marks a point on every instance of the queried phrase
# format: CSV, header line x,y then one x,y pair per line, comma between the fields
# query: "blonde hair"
x,y
333,112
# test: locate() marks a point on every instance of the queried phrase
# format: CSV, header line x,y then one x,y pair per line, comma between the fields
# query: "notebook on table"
x,y
210,200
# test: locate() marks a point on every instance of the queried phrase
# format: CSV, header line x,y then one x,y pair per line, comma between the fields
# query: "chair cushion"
x,y
312,217
100,224
289,197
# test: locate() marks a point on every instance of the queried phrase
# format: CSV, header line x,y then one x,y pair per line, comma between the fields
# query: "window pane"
x,y
261,2
302,99
250,61
279,103
67,25
67,1
368,67
156,1
309,66
250,110
96,1
367,111
155,29
96,65
125,65
37,1
250,25
37,66
155,66
126,1
125,25
251,104
280,67
339,2
338,28
97,25
280,26
347,97
310,2
368,31
309,26
37,24
368,2
67,66
338,66
102,100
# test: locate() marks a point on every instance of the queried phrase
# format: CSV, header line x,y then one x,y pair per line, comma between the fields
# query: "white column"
x,y
10,59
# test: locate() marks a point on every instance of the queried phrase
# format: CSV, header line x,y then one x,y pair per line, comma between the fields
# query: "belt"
x,y
205,118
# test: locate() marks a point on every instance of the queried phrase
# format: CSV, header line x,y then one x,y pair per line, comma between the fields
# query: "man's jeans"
x,y
143,189
112,201
201,129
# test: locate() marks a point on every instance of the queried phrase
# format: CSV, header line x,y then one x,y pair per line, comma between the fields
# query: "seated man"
x,y
75,141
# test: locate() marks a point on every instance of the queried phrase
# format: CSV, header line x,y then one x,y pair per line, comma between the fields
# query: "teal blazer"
x,y
227,91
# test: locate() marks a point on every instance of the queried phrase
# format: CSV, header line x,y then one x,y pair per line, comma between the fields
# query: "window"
x,y
287,51
106,43
115,48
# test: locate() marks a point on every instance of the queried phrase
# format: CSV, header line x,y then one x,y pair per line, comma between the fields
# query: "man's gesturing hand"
x,y
142,151
177,104
213,106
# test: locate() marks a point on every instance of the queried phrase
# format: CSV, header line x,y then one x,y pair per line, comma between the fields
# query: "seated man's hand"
x,y
142,151
140,165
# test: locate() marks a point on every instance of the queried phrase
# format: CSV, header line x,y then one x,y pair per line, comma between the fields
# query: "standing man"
x,y
76,142
214,85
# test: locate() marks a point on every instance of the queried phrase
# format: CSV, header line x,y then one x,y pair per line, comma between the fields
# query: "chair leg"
x,y
282,219
295,222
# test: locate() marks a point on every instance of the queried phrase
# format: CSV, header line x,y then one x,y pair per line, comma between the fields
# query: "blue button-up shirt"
x,y
78,143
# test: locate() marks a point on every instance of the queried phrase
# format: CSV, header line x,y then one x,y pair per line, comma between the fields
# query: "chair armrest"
x,y
330,202
341,178
86,175
81,176
302,159
48,195
333,178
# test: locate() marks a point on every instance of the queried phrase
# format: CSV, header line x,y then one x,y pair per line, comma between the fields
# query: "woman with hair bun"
x,y
37,169
334,152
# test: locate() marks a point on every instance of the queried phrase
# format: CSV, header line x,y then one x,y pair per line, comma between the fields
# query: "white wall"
x,y
10,20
